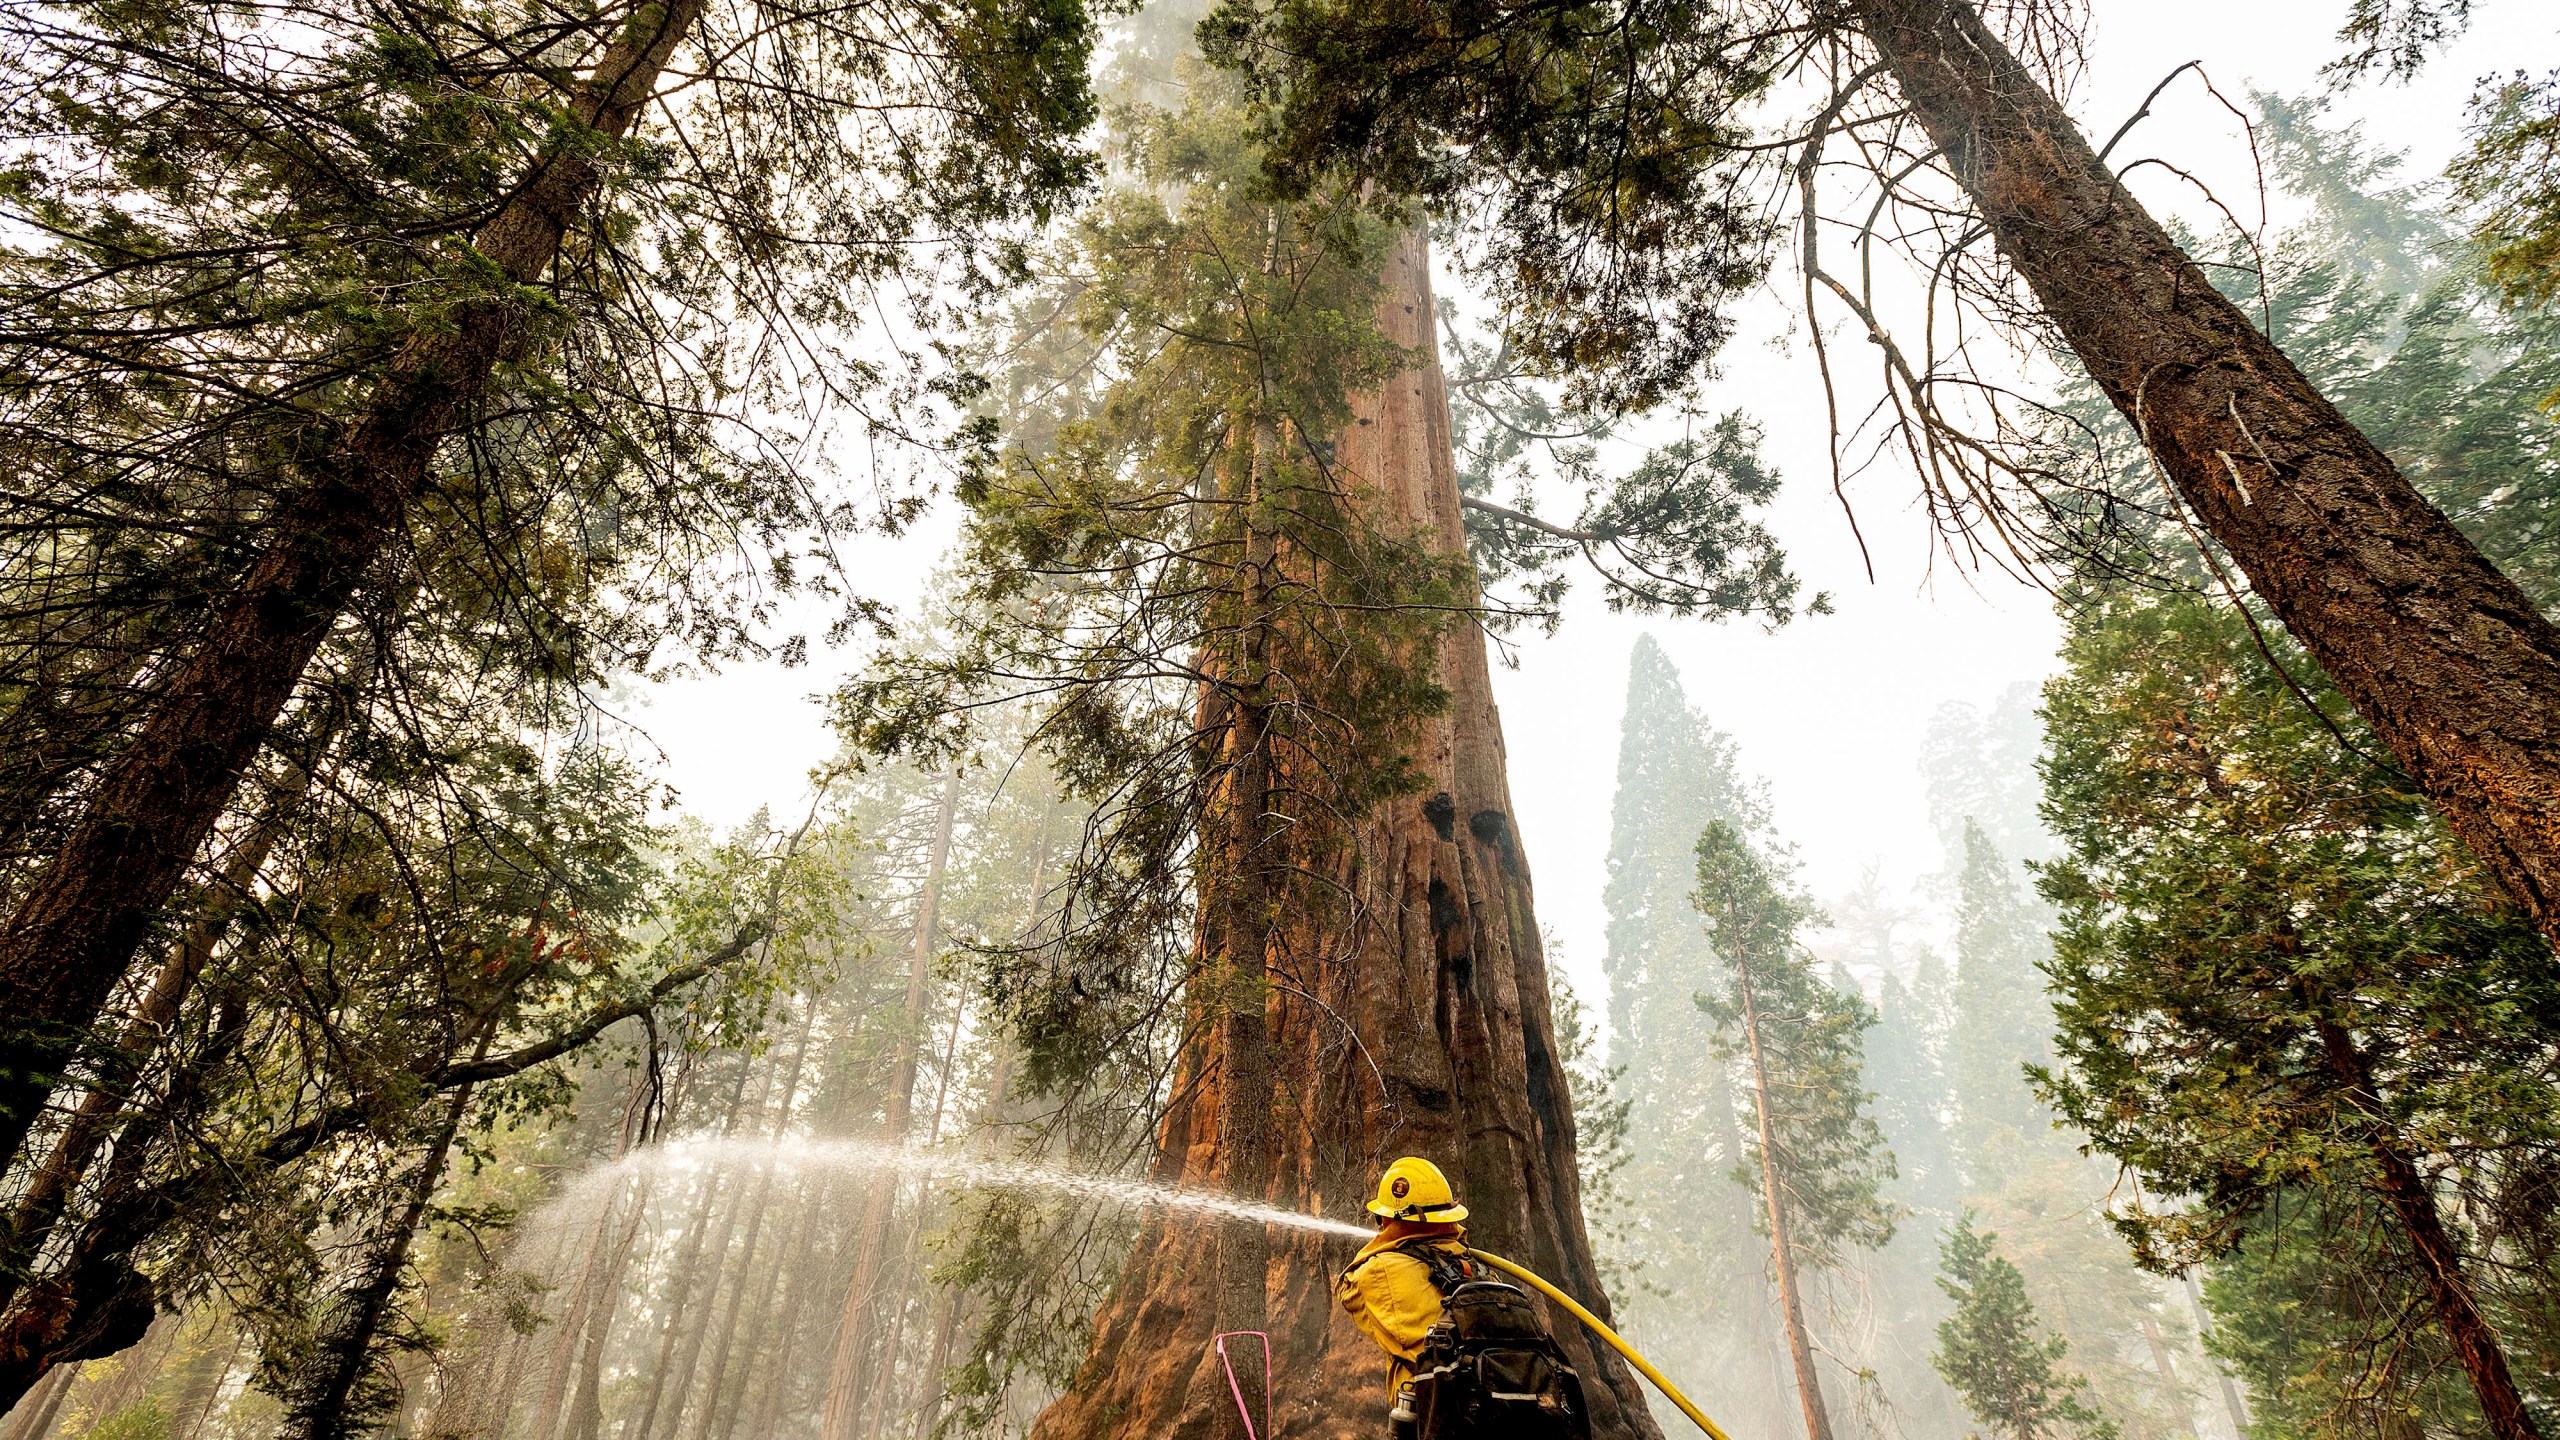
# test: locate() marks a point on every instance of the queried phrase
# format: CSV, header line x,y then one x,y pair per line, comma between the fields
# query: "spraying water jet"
x,y
860,1156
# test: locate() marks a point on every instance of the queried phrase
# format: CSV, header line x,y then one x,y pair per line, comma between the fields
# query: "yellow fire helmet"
x,y
1414,1189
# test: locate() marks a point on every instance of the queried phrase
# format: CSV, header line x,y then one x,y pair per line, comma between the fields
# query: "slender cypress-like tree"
x,y
2002,1017
1688,1234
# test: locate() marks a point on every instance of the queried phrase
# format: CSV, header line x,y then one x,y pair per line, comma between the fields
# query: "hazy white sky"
x,y
1830,710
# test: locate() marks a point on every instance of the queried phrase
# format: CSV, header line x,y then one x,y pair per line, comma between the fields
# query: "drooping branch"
x,y
286,1146
515,1062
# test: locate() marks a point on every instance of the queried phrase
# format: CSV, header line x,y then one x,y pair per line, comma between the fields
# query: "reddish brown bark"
x,y
2445,657
92,1121
76,927
850,1379
1428,1033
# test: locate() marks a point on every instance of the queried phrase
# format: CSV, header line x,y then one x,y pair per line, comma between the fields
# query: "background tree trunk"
x,y
2443,655
320,1399
684,1282
2233,1407
32,1417
778,1325
744,1283
1782,1250
1429,1034
586,1403
2440,1267
80,918
846,1378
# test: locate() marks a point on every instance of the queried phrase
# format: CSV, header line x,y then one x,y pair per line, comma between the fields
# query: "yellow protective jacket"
x,y
1391,1295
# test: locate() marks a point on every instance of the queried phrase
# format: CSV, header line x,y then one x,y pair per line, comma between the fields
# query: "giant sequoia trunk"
x,y
2450,663
1424,1030
82,915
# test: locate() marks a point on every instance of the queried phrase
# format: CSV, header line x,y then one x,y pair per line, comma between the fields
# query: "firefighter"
x,y
1468,1355
1387,1289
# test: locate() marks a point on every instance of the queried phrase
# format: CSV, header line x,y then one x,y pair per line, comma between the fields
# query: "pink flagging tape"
x,y
1236,1388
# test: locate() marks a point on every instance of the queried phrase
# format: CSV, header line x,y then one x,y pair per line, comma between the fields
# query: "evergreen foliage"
x,y
2277,971
1980,771
1163,547
1823,1144
1995,1354
1676,534
2512,179
2296,1307
1907,1061
2273,965
2001,1015
440,353
1684,1233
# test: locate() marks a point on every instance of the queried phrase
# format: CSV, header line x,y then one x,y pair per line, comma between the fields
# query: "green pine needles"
x,y
1996,1354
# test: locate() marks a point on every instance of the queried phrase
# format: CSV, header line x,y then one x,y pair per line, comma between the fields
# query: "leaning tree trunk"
x,y
2440,1265
2444,656
1424,1029
321,1394
80,918
850,1377
92,1121
1782,1248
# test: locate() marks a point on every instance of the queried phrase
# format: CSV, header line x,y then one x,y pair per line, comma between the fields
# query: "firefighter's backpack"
x,y
1489,1370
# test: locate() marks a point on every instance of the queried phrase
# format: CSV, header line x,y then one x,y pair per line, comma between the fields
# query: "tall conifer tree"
x,y
1814,1152
1689,1231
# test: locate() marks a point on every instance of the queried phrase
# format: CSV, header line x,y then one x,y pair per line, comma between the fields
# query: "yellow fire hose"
x,y
1643,1366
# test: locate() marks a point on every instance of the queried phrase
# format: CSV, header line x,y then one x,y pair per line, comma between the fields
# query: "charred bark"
x,y
2449,662
76,926
1424,1029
